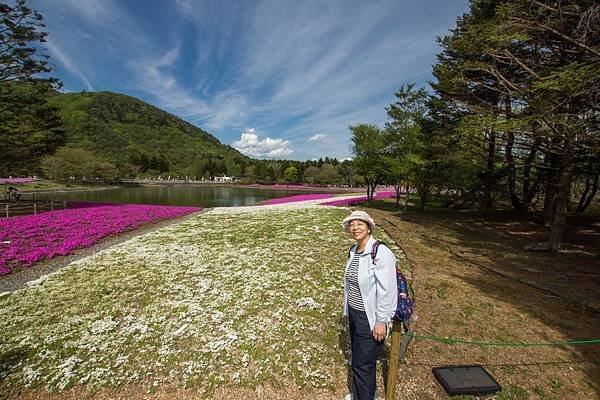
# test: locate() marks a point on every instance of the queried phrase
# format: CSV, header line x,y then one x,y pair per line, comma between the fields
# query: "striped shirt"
x,y
354,297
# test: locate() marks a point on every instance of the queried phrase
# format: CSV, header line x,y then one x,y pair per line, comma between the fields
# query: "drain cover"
x,y
466,379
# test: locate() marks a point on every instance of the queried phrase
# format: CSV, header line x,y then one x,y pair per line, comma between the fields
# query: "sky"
x,y
275,79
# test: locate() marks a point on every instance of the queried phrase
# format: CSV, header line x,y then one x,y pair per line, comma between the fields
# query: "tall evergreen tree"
x,y
29,127
540,62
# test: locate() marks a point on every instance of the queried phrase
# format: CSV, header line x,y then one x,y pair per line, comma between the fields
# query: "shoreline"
x,y
29,192
249,186
296,188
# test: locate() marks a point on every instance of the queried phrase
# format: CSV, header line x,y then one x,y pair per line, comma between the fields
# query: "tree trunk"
x,y
398,188
551,169
560,199
490,181
558,221
569,199
407,197
371,185
373,192
529,188
588,194
423,196
510,162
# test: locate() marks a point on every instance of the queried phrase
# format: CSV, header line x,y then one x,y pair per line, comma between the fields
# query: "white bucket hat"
x,y
363,216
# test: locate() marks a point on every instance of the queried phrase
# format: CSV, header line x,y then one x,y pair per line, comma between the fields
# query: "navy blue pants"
x,y
365,352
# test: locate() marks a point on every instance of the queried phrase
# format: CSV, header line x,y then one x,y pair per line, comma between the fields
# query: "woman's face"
x,y
358,229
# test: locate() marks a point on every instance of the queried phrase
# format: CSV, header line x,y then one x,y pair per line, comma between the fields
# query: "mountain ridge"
x,y
131,133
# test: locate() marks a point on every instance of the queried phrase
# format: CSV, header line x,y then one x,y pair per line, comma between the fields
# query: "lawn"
x,y
47,185
222,302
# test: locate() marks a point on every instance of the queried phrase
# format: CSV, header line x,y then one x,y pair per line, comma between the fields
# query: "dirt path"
x,y
473,282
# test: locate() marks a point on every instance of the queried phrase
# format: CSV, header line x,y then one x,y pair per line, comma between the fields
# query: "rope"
x,y
452,341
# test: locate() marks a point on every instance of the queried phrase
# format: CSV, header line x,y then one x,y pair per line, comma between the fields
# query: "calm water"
x,y
177,195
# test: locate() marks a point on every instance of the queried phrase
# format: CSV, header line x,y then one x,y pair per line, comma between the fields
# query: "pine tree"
x,y
29,127
524,75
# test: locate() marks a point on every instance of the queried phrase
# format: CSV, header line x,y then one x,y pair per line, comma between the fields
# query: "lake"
x,y
177,195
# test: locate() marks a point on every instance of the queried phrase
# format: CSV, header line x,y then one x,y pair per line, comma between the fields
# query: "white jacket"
x,y
377,283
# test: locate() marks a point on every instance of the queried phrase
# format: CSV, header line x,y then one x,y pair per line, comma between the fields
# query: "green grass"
x,y
442,290
46,185
513,392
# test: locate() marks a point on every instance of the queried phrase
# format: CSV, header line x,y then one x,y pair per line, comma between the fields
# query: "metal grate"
x,y
466,379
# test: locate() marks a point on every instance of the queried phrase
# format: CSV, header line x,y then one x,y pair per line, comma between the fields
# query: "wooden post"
x,y
7,211
394,356
35,208
51,205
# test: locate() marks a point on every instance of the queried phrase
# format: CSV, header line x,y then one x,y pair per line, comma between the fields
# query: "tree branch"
x,y
559,34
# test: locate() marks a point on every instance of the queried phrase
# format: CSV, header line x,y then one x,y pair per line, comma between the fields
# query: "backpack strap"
x,y
374,250
350,249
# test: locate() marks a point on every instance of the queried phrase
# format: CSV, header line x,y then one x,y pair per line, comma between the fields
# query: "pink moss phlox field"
x,y
294,199
27,239
294,187
278,186
352,200
16,180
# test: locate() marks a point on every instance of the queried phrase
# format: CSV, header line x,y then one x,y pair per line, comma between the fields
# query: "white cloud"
x,y
229,111
94,10
68,63
154,77
316,137
250,145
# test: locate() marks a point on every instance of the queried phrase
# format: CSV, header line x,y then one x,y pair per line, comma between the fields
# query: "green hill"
x,y
134,135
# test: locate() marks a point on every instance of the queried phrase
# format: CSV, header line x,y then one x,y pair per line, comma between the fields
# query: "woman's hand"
x,y
379,332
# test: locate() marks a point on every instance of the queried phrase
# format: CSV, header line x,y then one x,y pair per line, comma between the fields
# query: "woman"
x,y
370,298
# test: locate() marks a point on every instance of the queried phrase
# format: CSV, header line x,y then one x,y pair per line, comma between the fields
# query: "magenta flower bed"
x,y
27,239
16,180
278,186
294,199
295,187
385,194
345,202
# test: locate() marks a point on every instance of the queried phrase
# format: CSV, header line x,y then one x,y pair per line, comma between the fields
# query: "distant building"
x,y
223,179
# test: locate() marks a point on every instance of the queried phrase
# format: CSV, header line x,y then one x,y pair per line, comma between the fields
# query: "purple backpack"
x,y
405,305
404,308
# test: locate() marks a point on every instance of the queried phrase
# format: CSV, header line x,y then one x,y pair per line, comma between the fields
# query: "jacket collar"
x,y
368,247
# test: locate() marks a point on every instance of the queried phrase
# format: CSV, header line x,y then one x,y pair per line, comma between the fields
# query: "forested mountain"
x,y
137,137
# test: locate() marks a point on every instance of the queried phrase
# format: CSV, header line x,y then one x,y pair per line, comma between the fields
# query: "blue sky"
x,y
275,79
